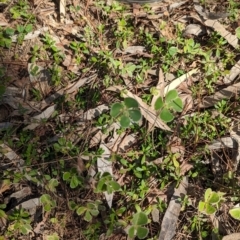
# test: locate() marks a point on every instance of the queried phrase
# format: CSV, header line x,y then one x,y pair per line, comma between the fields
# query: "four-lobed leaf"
x,y
126,112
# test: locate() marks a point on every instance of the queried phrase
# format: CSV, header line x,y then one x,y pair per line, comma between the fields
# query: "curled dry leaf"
x,y
133,50
195,30
170,219
218,27
225,93
42,116
187,102
175,83
105,165
11,155
31,35
225,142
185,167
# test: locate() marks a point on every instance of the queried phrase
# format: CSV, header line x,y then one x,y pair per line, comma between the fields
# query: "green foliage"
x,y
107,184
47,202
90,210
22,31
73,178
171,103
57,55
21,10
137,228
5,37
235,213
63,146
20,221
126,112
211,203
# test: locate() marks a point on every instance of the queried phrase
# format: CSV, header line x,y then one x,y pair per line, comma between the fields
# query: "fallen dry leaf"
x,y
225,93
104,164
175,83
234,72
169,222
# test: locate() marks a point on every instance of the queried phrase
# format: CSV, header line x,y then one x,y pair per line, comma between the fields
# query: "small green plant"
x,y
171,103
22,31
106,183
35,54
72,177
126,112
21,10
211,203
20,221
50,44
90,210
48,202
5,37
137,228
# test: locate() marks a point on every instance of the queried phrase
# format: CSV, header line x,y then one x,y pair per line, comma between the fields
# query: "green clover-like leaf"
x,y
130,102
88,216
131,232
201,206
81,210
135,115
176,105
166,115
125,121
158,104
173,51
209,209
207,194
235,213
116,109
214,198
142,232
171,95
140,218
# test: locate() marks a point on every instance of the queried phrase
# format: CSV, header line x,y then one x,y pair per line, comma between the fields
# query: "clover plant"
x,y
137,228
171,103
211,203
126,112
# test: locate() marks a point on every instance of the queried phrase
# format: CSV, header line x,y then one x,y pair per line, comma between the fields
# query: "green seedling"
x,y
89,211
212,202
126,112
21,10
73,178
5,37
171,103
107,184
47,202
22,31
20,221
137,228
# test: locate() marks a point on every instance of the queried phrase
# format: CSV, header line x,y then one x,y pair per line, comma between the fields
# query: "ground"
x,y
119,120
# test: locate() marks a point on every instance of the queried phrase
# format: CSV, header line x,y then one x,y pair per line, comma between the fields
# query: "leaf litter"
x,y
112,142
